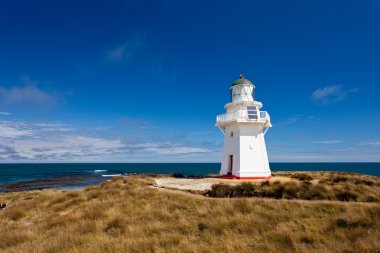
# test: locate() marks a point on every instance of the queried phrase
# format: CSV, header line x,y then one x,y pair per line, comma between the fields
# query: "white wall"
x,y
249,150
231,147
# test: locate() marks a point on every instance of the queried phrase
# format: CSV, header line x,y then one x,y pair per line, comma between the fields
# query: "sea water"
x,y
74,175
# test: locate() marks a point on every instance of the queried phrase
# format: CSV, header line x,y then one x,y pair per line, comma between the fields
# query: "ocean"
x,y
16,177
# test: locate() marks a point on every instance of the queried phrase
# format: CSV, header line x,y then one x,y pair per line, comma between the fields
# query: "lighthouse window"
x,y
232,134
252,112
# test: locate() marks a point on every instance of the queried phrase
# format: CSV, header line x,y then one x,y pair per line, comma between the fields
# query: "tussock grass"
x,y
15,213
125,215
308,186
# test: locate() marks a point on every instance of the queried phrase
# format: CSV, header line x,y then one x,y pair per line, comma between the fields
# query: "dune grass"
x,y
126,215
307,186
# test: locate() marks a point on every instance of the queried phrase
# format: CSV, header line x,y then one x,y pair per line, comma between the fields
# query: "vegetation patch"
x,y
308,186
129,216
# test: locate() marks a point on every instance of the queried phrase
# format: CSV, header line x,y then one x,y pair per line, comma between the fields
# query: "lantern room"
x,y
242,90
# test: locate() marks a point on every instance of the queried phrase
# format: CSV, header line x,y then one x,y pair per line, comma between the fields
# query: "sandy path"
x,y
203,184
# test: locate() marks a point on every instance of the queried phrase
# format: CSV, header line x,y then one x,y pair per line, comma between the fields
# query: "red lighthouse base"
x,y
242,178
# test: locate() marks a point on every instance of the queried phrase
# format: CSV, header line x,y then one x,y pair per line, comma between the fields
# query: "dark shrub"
x,y
365,182
201,227
315,192
346,196
306,240
291,191
339,179
242,190
302,177
220,191
276,191
341,223
178,175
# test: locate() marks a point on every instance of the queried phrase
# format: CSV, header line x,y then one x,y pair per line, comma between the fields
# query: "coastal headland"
x,y
291,212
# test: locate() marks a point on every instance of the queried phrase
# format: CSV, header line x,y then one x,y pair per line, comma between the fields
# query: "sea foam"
x,y
111,175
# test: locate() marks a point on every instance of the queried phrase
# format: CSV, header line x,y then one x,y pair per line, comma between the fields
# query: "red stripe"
x,y
235,177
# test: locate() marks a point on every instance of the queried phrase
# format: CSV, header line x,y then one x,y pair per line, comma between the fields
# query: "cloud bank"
x,y
56,142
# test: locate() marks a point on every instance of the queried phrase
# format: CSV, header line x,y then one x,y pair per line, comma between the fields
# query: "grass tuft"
x,y
15,213
115,227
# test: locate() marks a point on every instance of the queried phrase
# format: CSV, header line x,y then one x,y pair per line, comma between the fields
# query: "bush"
x,y
339,179
276,191
178,175
301,176
344,223
306,240
316,192
365,182
288,190
346,196
291,191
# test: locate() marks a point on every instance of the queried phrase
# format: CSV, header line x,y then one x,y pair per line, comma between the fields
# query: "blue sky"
x,y
142,81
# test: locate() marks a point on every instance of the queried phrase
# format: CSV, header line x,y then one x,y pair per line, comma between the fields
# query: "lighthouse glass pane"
x,y
252,112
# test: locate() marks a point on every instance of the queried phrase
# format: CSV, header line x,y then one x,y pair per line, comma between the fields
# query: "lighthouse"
x,y
244,126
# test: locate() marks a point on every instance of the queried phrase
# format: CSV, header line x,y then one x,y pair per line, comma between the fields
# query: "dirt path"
x,y
203,184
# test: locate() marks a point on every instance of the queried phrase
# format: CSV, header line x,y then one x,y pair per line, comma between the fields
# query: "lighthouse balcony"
x,y
243,116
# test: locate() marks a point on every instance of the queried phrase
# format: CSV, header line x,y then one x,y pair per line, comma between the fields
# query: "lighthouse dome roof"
x,y
242,81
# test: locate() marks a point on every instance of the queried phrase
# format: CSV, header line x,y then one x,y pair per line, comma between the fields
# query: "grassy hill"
x,y
129,215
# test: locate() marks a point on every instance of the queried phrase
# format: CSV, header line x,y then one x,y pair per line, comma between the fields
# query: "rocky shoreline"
x,y
51,183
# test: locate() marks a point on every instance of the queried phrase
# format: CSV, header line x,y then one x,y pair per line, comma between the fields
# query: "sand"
x,y
203,184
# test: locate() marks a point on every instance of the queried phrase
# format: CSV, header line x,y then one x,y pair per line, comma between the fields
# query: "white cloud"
x,y
28,94
177,150
13,130
330,94
64,147
45,127
372,143
5,113
51,142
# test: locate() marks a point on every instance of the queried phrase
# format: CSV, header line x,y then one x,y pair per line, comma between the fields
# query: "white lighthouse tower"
x,y
244,126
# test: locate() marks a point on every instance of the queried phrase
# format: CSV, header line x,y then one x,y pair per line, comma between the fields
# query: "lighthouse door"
x,y
230,164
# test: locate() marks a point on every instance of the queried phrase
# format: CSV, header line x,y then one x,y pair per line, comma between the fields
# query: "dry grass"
x,y
125,215
297,190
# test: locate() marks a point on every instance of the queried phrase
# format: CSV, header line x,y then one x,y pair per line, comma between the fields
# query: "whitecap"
x,y
112,175
99,171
